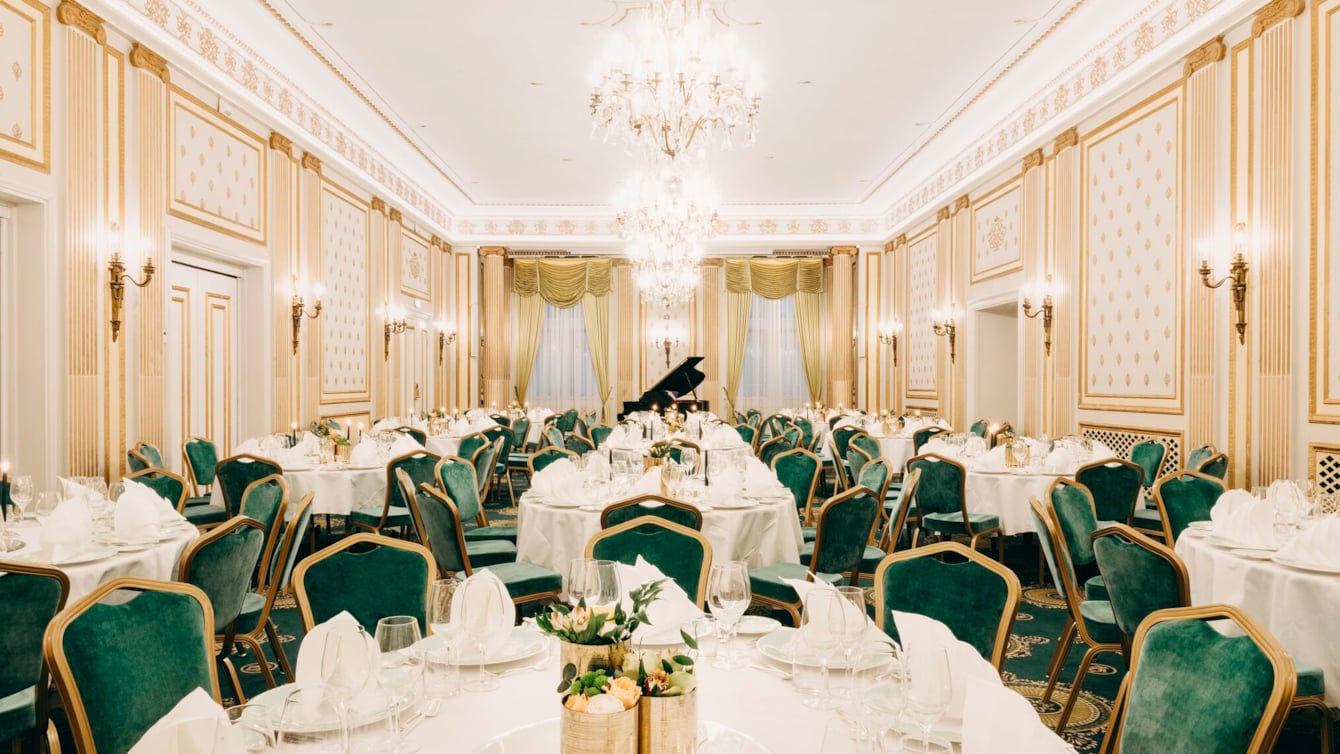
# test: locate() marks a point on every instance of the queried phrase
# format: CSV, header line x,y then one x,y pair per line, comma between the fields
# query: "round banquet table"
x,y
1005,495
157,562
896,450
443,446
336,490
761,534
1299,608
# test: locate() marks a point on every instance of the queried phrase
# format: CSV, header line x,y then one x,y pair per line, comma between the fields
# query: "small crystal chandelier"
x,y
667,276
667,206
675,81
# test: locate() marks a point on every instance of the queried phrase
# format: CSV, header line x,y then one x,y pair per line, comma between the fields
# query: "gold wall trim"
x,y
1033,160
178,100
143,57
487,251
1323,406
30,146
281,143
395,216
1241,197
311,162
1207,54
942,214
1274,12
73,14
910,394
1067,138
378,204
1014,184
962,203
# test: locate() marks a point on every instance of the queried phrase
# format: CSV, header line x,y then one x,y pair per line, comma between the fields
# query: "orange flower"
x,y
625,690
577,703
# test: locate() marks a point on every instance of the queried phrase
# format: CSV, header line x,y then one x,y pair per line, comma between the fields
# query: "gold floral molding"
x,y
1067,138
395,216
836,250
492,251
962,203
1033,159
311,162
73,14
1208,53
899,240
1274,12
378,204
281,143
942,214
143,57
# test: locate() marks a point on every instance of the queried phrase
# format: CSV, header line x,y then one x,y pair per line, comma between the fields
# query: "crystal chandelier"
x,y
667,276
675,81
667,206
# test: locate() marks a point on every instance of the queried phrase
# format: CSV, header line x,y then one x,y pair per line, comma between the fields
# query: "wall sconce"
x,y
888,335
943,324
446,335
117,277
1237,275
298,309
665,336
1045,310
395,324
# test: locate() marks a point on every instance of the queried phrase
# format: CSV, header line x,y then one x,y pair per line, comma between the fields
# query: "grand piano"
x,y
679,387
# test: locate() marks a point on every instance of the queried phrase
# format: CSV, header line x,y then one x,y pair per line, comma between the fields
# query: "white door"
x,y
414,393
202,361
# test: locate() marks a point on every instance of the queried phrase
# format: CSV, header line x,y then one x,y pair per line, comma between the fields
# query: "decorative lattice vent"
x,y
1121,440
1325,468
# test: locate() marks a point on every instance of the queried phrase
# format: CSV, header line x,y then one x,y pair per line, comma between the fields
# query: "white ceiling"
x,y
497,90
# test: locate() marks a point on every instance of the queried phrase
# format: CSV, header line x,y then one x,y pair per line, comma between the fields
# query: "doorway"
x,y
201,372
994,372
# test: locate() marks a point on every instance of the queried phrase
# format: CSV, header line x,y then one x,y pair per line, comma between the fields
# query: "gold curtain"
x,y
774,279
563,283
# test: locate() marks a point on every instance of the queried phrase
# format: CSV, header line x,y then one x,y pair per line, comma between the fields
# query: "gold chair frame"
x,y
271,536
390,485
41,701
806,510
629,502
1163,509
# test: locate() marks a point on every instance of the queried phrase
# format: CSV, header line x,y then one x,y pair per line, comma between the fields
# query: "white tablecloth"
x,y
443,446
1299,608
157,562
1006,495
760,535
895,450
335,490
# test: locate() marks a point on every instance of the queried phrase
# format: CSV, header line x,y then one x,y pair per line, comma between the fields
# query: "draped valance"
x,y
561,282
775,278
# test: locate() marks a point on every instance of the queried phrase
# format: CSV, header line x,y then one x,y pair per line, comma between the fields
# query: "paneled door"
x,y
202,360
418,354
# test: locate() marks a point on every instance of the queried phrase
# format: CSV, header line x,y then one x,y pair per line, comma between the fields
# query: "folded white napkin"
x,y
994,460
1315,544
308,667
249,446
476,413
668,613
367,454
459,428
559,482
386,425
164,512
1003,722
648,484
137,515
1059,461
494,599
1100,452
539,414
804,588
723,437
759,480
481,423
65,532
196,725
939,448
1239,517
977,446
922,634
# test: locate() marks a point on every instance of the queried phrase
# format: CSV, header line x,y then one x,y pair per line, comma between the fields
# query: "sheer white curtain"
x,y
773,376
563,377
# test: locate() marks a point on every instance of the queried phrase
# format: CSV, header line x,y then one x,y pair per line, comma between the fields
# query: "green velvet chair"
x,y
486,465
753,417
221,564
417,434
581,428
1148,455
684,555
942,502
678,446
235,473
393,513
135,461
806,428
675,511
899,513
1141,575
456,477
868,445
384,577
775,425
163,637
874,475
567,421
844,525
520,427
856,460
255,627
151,454
1198,456
1076,521
979,428
1115,486
266,501
547,455
923,436
799,470
470,444
1093,620
838,440
482,552
32,595
199,457
1191,688
1183,497
552,436
439,524
600,433
501,420
748,434
773,448
172,488
578,444
1215,466
976,599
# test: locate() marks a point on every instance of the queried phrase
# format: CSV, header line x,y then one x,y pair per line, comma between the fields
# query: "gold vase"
x,y
651,462
667,724
342,452
585,733
592,656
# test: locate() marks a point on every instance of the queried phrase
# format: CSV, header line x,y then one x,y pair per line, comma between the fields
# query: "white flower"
x,y
604,704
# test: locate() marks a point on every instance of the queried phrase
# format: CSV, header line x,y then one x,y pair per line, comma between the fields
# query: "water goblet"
x,y
853,632
928,695
398,672
821,626
482,616
47,502
20,494
728,596
346,666
249,724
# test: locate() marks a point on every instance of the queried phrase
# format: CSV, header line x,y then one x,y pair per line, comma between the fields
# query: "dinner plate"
x,y
1300,565
361,712
949,730
777,646
757,625
666,637
713,738
523,643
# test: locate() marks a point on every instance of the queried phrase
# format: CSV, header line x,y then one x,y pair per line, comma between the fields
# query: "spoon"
x,y
434,707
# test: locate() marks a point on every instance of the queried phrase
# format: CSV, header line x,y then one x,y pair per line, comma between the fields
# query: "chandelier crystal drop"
x,y
675,81
667,276
667,206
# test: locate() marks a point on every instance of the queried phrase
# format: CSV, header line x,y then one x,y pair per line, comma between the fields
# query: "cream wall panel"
x,y
997,227
218,170
1324,367
1131,280
415,265
921,287
25,82
346,351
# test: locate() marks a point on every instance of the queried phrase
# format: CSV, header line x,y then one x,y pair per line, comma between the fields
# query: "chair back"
x,y
979,428
135,461
753,417
547,455
457,478
470,444
287,556
799,470
923,436
578,444
942,484
841,436
856,460
552,435
893,532
1060,561
501,433
875,475
264,501
1183,497
1141,575
391,577
843,526
1190,687
236,473
1148,455
151,454
500,420
747,433
1075,519
419,435
566,420
1115,486
682,554
775,425
976,598
581,429
600,433
201,456
806,428
677,512
164,650
1198,456
1215,466
773,448
867,444
32,595
421,467
486,461
165,484
520,431
220,563
438,523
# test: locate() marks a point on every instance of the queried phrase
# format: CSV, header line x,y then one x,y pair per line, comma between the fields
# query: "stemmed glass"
x,y
248,724
299,726
47,502
822,620
481,617
442,669
601,585
399,671
20,494
346,666
928,696
728,597
853,632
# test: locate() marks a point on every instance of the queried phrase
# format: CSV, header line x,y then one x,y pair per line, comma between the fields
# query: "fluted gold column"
x,y
944,296
151,80
1273,29
1242,171
957,266
283,222
1060,409
712,326
441,253
309,258
870,320
467,326
894,254
841,301
1031,233
393,365
493,298
1202,89
379,287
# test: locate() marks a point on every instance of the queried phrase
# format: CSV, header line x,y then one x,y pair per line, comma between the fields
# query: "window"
x,y
563,377
773,376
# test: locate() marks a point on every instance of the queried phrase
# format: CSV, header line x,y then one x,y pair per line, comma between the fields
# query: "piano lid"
x,y
682,379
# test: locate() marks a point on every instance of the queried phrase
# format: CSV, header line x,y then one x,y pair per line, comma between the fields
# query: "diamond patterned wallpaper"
x,y
921,299
995,234
1131,339
346,354
218,171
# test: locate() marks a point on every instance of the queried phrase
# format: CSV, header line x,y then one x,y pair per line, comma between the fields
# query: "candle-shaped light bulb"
x,y
1240,239
319,291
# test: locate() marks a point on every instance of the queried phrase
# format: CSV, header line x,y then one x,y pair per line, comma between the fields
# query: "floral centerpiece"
x,y
600,713
656,456
592,638
667,706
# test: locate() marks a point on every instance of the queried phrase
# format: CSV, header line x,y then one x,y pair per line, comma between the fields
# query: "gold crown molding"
x,y
378,204
1067,138
836,250
395,216
942,214
1274,12
143,57
898,240
311,162
435,242
1210,52
962,203
281,143
73,14
492,251
1033,159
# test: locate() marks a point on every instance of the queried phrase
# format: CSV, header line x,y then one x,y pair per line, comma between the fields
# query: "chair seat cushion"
x,y
18,713
767,581
1148,519
1095,589
202,500
371,517
203,515
1311,681
504,532
524,579
252,605
1100,621
809,532
487,552
869,559
952,523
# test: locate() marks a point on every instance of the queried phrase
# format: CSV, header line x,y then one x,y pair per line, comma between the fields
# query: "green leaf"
x,y
689,641
684,661
667,667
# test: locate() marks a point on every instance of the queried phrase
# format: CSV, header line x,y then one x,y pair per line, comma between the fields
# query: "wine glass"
x,y
728,597
688,457
603,590
399,671
249,724
441,664
482,616
47,502
674,479
822,620
574,582
301,725
853,632
346,666
928,695
20,494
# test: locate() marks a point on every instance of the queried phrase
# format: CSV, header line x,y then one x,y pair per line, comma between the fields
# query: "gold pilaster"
x,y
493,299
1201,109
956,271
842,303
712,326
309,260
1065,281
1032,195
285,221
874,353
151,77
